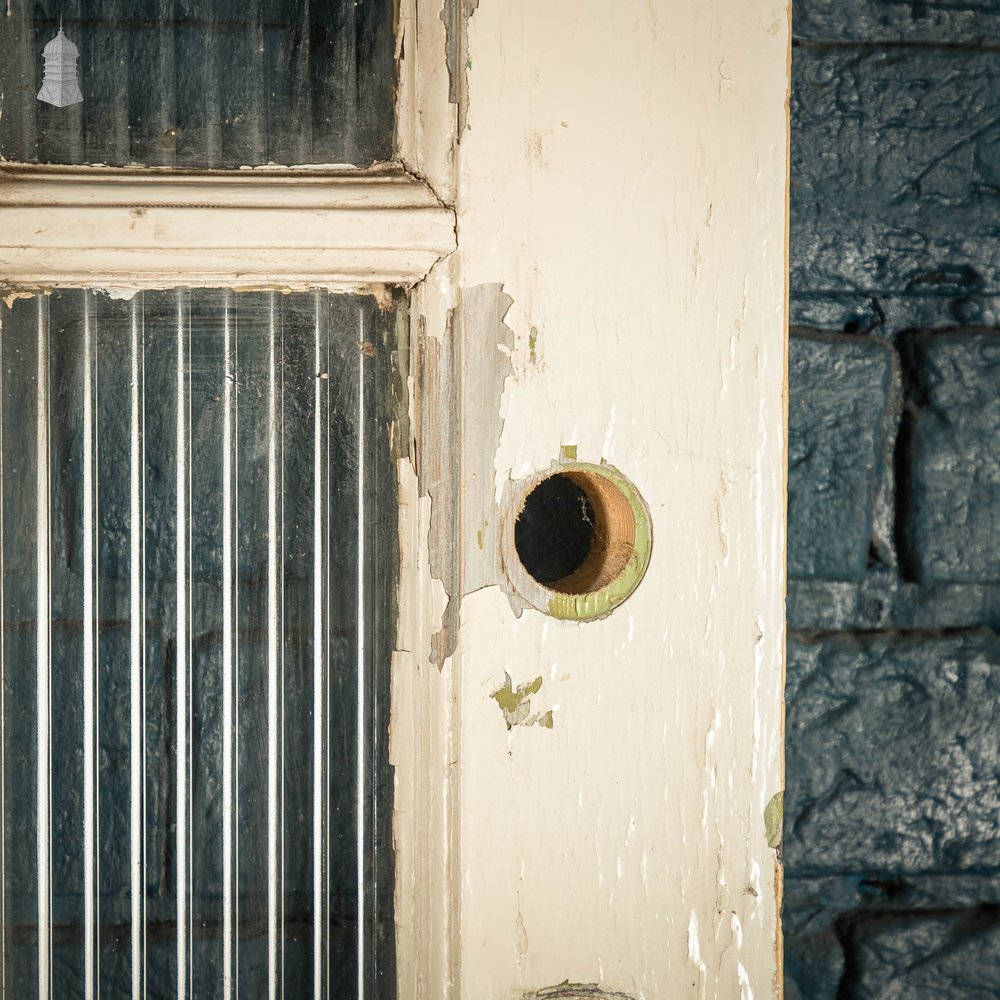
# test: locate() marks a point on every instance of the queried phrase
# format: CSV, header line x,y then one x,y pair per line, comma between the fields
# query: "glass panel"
x,y
197,83
198,551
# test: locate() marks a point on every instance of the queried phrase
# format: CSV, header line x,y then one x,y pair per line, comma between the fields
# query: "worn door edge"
x,y
425,726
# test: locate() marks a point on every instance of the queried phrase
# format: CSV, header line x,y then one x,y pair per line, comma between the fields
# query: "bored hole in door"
x,y
576,541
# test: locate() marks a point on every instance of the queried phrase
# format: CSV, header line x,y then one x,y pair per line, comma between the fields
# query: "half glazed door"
x,y
565,377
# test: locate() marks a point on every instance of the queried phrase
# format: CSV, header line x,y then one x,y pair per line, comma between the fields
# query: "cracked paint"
x,y
9,298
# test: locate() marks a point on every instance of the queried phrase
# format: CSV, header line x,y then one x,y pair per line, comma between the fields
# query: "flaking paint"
x,y
515,703
594,160
773,816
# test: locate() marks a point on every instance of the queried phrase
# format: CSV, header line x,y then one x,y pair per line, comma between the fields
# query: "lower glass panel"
x,y
198,547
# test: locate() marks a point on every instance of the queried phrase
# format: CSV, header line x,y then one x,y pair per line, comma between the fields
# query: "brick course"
x,y
891,849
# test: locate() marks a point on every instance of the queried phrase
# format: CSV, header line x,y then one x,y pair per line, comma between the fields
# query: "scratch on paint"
x,y
515,703
576,991
773,816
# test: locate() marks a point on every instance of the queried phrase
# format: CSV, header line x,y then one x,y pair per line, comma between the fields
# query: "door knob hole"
x,y
554,532
576,541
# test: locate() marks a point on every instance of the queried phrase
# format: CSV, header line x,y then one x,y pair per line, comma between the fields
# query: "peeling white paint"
x,y
420,749
633,208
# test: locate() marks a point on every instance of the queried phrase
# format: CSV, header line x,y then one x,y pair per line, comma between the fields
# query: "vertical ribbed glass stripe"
x,y
228,902
197,577
273,678
137,711
43,761
3,697
89,662
318,804
361,749
182,707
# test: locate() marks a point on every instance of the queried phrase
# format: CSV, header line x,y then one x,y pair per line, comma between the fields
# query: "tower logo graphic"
x,y
59,83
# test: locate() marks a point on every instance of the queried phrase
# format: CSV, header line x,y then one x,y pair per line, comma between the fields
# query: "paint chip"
x,y
576,991
773,817
515,703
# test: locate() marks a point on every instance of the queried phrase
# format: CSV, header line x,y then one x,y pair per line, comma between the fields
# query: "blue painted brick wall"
x,y
892,810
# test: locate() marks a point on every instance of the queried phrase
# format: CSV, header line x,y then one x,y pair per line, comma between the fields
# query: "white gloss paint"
x,y
623,177
661,128
150,229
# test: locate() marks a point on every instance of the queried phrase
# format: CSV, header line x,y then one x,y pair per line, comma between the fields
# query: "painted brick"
x,y
896,20
895,161
834,927
954,955
952,494
839,431
883,601
891,314
814,959
891,754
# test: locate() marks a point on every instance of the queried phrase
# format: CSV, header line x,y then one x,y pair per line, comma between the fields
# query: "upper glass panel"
x,y
197,83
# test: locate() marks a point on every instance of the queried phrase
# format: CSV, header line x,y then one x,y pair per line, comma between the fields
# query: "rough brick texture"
x,y
953,483
895,161
900,956
890,21
890,816
892,743
892,883
839,430
829,922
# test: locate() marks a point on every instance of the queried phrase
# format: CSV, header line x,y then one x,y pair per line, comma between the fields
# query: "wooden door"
x,y
597,801
586,215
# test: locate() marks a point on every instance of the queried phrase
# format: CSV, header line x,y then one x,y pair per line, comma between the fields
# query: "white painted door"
x,y
590,802
597,802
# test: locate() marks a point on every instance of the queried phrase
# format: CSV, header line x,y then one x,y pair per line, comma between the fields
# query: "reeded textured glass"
x,y
198,541
202,83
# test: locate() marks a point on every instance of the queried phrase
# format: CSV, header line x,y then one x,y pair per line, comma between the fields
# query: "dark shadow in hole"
x,y
555,529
